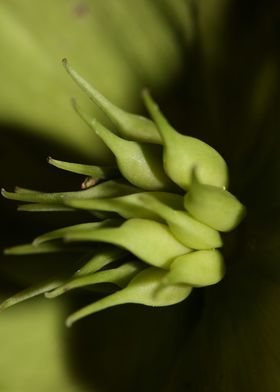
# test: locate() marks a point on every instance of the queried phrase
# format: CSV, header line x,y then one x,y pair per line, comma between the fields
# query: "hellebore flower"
x,y
159,241
221,338
161,208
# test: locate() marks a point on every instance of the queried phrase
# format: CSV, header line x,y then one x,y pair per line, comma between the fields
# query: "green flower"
x,y
160,207
225,337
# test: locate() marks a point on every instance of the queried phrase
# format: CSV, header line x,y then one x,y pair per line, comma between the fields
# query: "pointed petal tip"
x,y
36,242
6,193
145,92
148,99
7,251
146,96
3,192
8,303
51,294
69,238
69,322
84,116
4,305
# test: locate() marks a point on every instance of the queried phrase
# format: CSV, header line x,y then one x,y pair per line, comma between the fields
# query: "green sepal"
x,y
198,269
147,288
63,232
41,207
119,276
131,206
19,189
31,292
139,163
97,172
29,249
150,241
182,153
104,255
185,229
213,206
109,188
130,126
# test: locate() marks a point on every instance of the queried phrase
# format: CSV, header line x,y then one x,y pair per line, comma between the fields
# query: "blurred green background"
x,y
213,65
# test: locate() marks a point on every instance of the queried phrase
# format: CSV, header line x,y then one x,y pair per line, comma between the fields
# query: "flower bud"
x,y
146,288
181,153
213,206
197,269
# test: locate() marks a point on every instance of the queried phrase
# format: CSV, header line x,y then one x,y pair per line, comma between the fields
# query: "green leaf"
x,y
32,354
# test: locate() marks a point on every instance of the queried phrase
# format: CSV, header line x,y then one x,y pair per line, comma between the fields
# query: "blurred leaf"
x,y
106,43
35,361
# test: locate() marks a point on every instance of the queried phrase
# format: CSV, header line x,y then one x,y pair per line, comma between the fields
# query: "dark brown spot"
x,y
81,9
